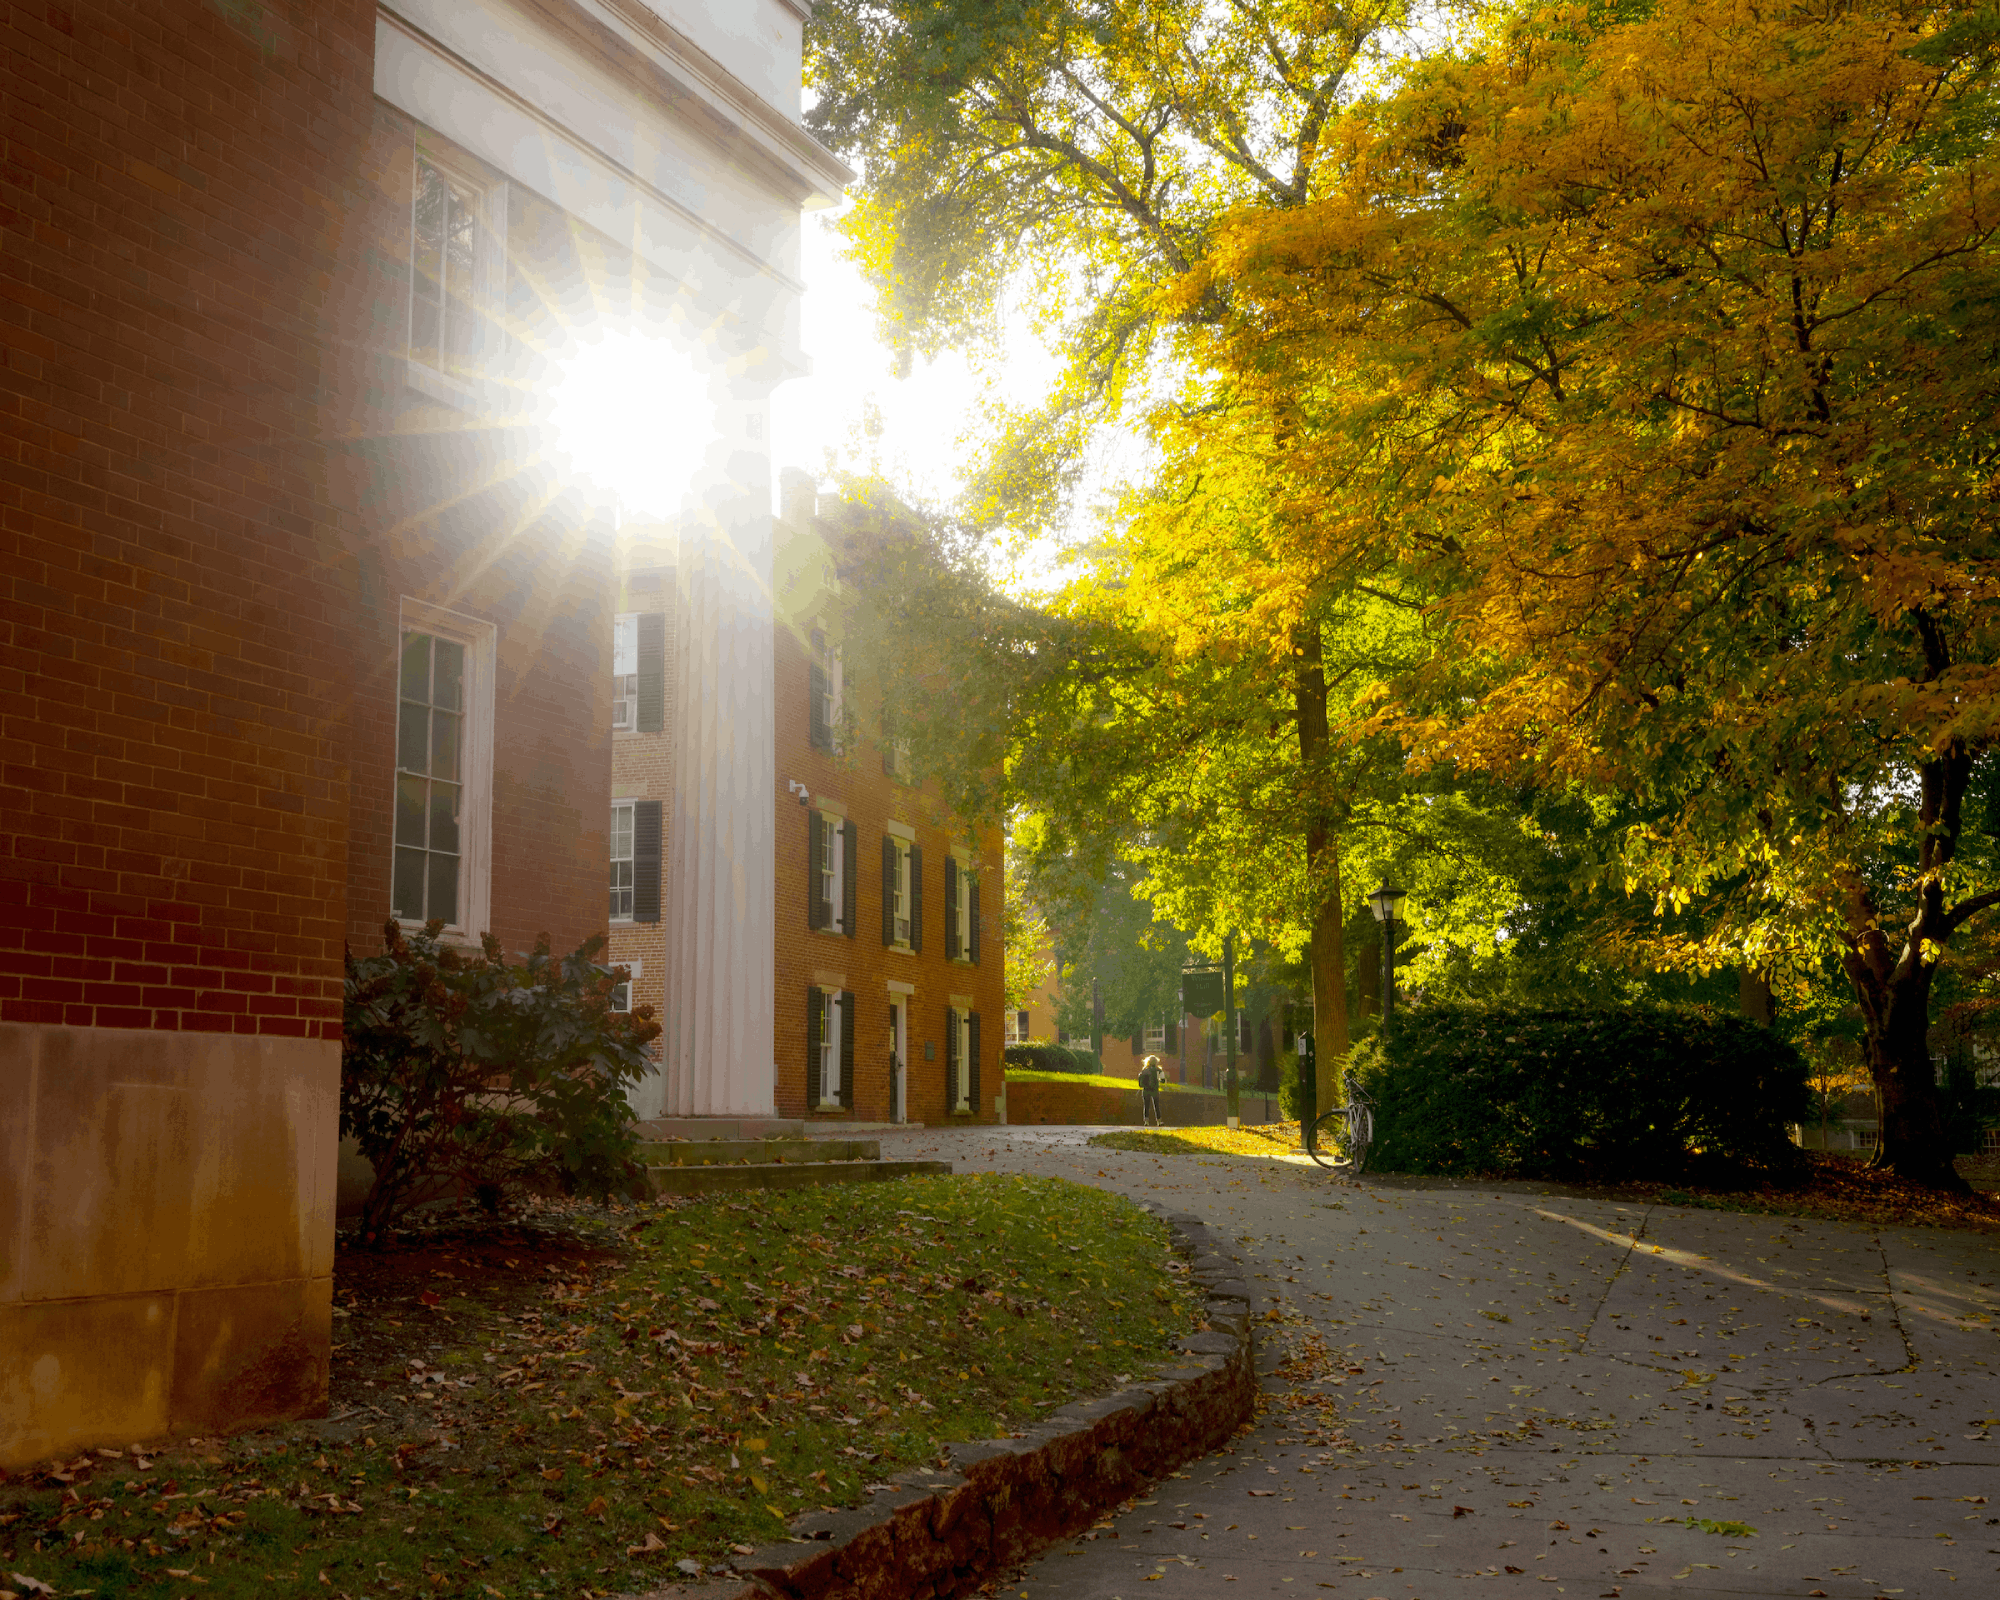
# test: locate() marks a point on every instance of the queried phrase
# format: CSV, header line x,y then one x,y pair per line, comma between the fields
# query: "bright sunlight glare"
x,y
633,415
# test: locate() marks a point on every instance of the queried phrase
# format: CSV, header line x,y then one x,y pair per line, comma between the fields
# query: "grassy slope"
x,y
741,1359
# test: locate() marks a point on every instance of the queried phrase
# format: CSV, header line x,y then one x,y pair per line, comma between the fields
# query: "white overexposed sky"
x,y
928,423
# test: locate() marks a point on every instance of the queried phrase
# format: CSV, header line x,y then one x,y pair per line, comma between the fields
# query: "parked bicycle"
x,y
1339,1138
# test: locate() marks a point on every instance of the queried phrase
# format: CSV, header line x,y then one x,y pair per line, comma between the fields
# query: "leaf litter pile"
x,y
1845,1190
592,1402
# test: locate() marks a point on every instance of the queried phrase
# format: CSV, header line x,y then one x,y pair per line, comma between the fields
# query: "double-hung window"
x,y
823,690
1156,1035
621,861
961,1057
961,912
830,1048
450,247
832,847
625,674
902,894
443,756
628,978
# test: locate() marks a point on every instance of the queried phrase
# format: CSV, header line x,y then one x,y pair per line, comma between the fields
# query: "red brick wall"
x,y
871,797
174,181
459,512
643,763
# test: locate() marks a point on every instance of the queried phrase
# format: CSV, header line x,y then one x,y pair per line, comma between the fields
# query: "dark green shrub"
x,y
1633,1092
1051,1058
476,1076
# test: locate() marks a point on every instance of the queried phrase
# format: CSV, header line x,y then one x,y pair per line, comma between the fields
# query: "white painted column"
x,y
720,901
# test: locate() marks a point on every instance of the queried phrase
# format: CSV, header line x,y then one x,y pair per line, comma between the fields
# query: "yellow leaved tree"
x,y
1653,351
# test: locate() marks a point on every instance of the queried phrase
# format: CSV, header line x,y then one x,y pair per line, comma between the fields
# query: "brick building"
x,y
887,960
305,622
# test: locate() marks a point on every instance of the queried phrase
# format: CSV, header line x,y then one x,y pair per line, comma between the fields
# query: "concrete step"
x,y
722,1128
770,1175
724,1152
760,1128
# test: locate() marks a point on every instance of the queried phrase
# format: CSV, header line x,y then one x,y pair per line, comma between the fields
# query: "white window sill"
x,y
829,1105
624,922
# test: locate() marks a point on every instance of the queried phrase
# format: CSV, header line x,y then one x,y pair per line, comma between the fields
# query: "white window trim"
x,y
475,857
901,912
961,1091
965,882
489,269
831,1066
632,806
836,840
623,619
632,970
1156,1037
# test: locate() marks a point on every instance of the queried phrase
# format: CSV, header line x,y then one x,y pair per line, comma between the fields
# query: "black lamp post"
x,y
1386,902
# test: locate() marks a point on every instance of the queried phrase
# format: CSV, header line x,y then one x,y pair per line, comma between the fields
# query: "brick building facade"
x,y
304,623
887,952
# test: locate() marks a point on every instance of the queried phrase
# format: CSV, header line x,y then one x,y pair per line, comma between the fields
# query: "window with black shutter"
x,y
952,948
972,917
916,900
1173,1036
972,1061
815,1046
850,862
822,734
951,1060
817,868
846,1064
892,857
646,841
652,674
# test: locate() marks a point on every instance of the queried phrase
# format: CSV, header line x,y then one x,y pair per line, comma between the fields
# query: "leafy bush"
x,y
1629,1092
1051,1058
473,1075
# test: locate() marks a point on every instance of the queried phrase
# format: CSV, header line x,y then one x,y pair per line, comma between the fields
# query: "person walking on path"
x,y
1149,1091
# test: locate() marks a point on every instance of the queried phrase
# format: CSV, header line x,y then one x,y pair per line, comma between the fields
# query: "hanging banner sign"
x,y
1202,993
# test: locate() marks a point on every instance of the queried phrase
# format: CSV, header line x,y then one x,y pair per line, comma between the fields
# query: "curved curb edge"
x,y
937,1533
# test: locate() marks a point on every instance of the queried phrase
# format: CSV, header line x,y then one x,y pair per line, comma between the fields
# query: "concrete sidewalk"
x,y
1496,1389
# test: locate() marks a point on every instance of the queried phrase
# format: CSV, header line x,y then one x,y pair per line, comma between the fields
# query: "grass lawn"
x,y
596,1401
1099,1080
1263,1139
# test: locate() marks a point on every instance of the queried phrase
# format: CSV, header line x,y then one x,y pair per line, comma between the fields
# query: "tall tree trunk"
x,y
1894,985
1329,962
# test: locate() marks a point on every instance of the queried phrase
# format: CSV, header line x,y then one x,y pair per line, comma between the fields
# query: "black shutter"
x,y
850,875
817,827
916,900
1021,1026
815,1031
888,888
652,672
646,830
822,736
1139,1043
847,1049
950,1060
972,921
951,949
972,1066
1173,1036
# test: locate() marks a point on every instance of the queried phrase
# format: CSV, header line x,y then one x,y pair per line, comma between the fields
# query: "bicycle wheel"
x,y
1322,1130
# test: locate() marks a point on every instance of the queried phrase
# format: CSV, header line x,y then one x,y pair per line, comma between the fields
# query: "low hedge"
x,y
1636,1092
1051,1058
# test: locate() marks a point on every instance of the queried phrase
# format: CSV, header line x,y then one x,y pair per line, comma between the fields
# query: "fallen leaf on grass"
x,y
652,1543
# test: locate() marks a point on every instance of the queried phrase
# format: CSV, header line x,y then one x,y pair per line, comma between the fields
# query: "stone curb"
x,y
938,1533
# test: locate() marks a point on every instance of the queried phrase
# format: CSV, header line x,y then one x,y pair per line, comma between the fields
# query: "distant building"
x,y
886,956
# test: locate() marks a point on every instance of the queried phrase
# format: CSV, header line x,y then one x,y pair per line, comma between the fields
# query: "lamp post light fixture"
x,y
1386,902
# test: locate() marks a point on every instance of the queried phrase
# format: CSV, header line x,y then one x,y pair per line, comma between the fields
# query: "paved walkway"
x,y
1497,1390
